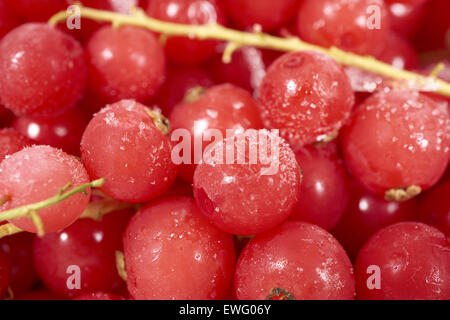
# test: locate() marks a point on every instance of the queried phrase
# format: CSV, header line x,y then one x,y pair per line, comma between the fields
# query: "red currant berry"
x,y
125,63
41,294
123,144
180,81
36,10
62,131
397,139
307,96
324,191
99,295
413,262
183,50
38,173
295,261
18,248
248,195
11,142
87,244
435,207
399,53
366,214
405,15
221,107
173,252
8,20
269,14
356,25
44,70
5,274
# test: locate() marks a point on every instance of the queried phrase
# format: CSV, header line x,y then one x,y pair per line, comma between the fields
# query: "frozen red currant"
x,y
397,143
62,131
8,20
399,53
250,184
325,189
11,142
183,50
99,295
353,25
36,10
38,173
408,260
44,70
125,63
4,274
125,144
18,248
223,107
173,252
87,247
435,207
405,15
368,213
296,261
307,96
269,14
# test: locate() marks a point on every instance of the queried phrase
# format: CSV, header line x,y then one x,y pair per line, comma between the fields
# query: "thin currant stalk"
x,y
237,39
31,210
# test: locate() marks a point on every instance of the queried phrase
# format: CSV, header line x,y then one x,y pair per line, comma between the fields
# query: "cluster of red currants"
x,y
358,204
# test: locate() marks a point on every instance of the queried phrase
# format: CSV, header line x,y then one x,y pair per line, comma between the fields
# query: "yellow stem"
x,y
261,40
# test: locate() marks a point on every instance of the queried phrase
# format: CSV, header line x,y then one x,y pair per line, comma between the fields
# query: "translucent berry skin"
x,y
179,81
168,245
300,258
267,13
397,139
183,50
8,20
88,244
405,15
325,189
18,248
99,295
11,142
414,262
38,173
399,53
44,70
239,197
62,131
366,214
435,207
321,22
125,63
36,10
307,96
4,274
122,144
222,107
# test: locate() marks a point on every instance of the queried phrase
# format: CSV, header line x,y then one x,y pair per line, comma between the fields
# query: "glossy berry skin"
x,y
5,274
322,22
307,96
62,131
397,139
18,248
8,20
180,80
125,63
300,258
325,189
414,262
270,14
368,213
88,244
238,196
172,252
435,207
399,53
222,107
36,10
99,295
11,142
405,15
182,50
44,70
38,173
123,144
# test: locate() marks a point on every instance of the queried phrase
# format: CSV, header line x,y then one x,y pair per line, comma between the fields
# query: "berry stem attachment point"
x,y
402,194
120,265
261,40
